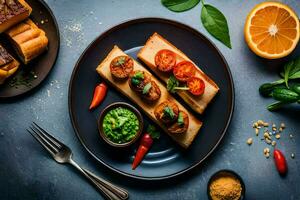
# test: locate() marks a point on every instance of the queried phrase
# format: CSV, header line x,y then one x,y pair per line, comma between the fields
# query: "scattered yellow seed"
x,y
266,124
268,141
260,122
249,141
267,135
282,125
266,150
256,131
273,143
274,128
280,129
277,136
255,125
42,22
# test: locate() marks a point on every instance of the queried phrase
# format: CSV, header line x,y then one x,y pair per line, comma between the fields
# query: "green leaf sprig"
x,y
173,85
282,90
169,112
180,5
212,19
147,88
155,134
180,120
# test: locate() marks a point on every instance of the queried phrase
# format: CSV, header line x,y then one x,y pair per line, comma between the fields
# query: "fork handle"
x,y
122,193
110,191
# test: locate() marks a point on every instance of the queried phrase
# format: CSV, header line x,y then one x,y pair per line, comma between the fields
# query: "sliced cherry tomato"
x,y
165,60
184,70
196,86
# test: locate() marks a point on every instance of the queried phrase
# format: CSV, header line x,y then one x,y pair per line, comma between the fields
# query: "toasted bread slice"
x,y
8,65
29,40
184,139
13,12
147,54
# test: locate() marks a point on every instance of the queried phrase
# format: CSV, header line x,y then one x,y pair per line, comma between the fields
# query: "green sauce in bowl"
x,y
120,125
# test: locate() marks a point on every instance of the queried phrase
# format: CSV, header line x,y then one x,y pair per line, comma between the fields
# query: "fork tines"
x,y
51,144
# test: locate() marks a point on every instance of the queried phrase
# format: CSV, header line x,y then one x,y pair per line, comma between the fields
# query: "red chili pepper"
x,y
145,144
99,94
280,161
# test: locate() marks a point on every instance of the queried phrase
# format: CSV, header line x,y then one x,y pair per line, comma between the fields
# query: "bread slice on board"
x,y
184,139
28,39
13,12
8,65
147,54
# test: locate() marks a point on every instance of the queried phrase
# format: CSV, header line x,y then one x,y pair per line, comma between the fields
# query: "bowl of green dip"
x,y
120,124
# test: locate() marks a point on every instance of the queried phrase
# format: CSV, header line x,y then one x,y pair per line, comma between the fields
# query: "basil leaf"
x,y
291,70
138,75
180,119
155,134
147,88
135,81
287,69
169,112
215,23
179,5
172,83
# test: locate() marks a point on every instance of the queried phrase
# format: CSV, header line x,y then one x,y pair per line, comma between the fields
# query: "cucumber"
x,y
267,89
285,95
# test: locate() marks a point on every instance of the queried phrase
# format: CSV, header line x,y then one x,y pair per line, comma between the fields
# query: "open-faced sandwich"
x,y
176,120
13,12
179,73
8,65
137,83
28,40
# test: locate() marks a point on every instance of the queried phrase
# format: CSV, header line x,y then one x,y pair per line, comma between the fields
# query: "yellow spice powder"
x,y
225,187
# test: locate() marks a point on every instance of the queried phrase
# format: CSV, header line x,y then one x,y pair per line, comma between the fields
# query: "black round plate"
x,y
42,65
165,159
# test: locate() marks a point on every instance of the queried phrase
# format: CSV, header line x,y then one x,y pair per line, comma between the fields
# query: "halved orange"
x,y
272,30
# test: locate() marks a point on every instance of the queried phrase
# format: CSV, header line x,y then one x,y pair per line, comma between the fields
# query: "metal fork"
x,y
63,154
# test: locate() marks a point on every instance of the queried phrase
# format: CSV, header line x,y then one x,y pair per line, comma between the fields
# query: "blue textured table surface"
x,y
27,172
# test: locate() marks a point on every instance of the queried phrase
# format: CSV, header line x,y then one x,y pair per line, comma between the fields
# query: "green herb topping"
x,y
173,85
137,77
180,119
121,61
147,88
153,132
168,112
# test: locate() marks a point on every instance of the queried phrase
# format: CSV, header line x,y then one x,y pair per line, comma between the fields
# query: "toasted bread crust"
x,y
29,40
12,13
146,54
8,65
184,139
